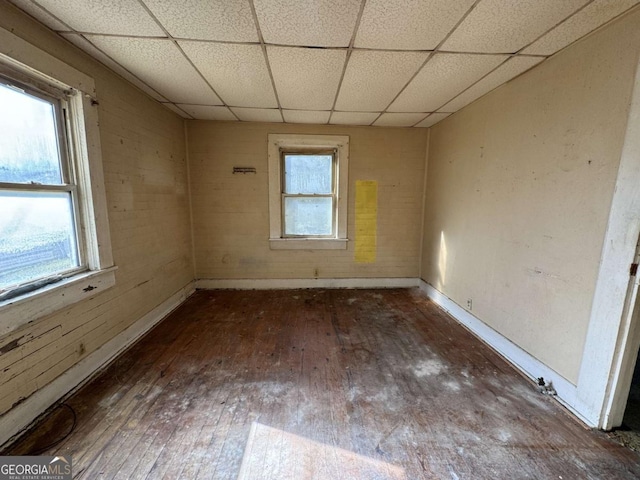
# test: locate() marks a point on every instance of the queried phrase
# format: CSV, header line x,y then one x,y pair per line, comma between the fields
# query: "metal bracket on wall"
x,y
244,170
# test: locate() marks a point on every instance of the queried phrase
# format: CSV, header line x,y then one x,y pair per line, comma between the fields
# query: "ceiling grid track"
x,y
84,36
266,57
511,55
429,57
177,45
346,60
429,54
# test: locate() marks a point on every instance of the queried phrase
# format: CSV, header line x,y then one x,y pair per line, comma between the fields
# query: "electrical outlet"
x,y
469,304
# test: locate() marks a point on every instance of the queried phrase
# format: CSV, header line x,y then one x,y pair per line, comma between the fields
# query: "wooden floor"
x,y
324,384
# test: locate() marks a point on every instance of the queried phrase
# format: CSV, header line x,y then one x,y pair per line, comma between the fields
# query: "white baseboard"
x,y
519,358
285,284
26,413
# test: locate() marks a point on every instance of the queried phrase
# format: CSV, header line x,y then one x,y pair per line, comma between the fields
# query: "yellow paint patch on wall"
x,y
366,220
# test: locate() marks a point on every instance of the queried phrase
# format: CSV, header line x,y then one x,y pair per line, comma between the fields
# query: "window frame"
x,y
278,146
26,64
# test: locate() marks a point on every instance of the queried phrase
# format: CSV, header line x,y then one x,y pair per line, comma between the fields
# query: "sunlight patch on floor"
x,y
275,454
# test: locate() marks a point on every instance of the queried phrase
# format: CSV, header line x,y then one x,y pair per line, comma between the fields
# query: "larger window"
x,y
55,246
39,241
308,191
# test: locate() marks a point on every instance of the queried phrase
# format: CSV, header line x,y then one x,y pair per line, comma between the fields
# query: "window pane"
x,y
308,216
28,139
37,236
307,173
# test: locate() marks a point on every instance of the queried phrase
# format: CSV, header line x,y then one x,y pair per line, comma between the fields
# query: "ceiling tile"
x,y
506,26
408,25
505,72
373,79
238,73
444,76
353,118
432,119
178,110
41,15
258,114
230,20
208,112
398,119
589,18
115,17
91,49
305,116
320,23
306,78
161,65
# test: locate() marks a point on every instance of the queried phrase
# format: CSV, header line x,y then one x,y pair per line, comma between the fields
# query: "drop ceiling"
x,y
405,63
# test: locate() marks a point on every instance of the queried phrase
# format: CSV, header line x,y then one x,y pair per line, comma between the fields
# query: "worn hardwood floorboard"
x,y
322,384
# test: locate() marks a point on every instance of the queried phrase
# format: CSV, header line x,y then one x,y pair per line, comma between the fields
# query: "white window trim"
x,y
302,141
38,65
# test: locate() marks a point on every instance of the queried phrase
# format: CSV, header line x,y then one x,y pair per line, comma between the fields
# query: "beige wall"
x,y
519,190
145,174
231,212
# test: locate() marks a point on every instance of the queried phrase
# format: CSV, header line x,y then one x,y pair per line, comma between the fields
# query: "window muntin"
x,y
308,194
39,231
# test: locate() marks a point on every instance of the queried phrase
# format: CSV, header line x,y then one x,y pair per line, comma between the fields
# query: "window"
x,y
39,240
55,245
308,191
308,194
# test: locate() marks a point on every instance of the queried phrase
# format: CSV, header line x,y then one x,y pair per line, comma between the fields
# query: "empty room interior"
x,y
325,239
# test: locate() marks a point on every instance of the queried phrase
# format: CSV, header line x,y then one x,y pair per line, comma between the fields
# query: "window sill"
x,y
31,306
308,243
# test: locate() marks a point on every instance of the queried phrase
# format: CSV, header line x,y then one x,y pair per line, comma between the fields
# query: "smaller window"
x,y
308,191
308,194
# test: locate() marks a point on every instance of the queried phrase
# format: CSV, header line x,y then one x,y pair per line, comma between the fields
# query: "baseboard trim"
x,y
519,358
23,416
285,284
